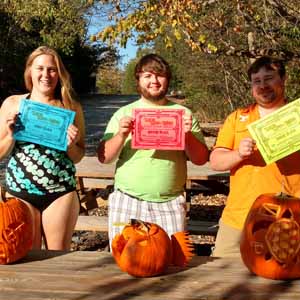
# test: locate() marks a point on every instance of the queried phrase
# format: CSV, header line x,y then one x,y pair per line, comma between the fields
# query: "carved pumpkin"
x,y
144,249
270,239
16,230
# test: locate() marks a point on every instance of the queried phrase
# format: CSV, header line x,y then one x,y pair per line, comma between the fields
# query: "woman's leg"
x,y
59,220
37,230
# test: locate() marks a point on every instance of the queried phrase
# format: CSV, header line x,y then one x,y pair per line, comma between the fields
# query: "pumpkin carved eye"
x,y
270,209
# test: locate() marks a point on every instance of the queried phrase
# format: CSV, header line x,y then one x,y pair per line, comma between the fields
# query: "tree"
x,y
210,43
54,23
211,26
109,80
60,24
129,83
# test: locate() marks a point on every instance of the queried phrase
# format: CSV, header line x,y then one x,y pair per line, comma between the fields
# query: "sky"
x,y
127,53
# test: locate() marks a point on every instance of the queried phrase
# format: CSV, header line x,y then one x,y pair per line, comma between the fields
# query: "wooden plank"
x,y
92,223
92,275
90,167
100,223
97,183
202,227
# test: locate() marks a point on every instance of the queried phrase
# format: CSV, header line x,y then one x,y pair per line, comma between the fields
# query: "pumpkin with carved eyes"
x,y
145,249
270,241
16,230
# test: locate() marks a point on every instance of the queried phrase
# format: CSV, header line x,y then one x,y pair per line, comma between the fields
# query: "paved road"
x,y
98,109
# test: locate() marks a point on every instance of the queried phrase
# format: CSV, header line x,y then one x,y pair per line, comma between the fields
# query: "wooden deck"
x,y
94,275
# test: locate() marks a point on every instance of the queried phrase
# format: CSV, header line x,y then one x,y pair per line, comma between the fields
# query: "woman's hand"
x,y
73,135
11,120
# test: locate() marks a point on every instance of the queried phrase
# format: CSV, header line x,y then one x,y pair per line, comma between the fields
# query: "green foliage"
x,y
56,23
60,24
129,83
212,27
216,83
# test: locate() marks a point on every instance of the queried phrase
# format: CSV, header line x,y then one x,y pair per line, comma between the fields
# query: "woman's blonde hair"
x,y
63,90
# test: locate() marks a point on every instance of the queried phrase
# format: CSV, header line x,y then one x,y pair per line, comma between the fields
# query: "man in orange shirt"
x,y
236,151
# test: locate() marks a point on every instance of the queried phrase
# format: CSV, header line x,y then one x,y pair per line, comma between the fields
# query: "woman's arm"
x,y
8,117
76,136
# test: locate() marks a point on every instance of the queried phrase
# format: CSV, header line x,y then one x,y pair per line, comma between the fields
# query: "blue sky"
x,y
128,53
97,24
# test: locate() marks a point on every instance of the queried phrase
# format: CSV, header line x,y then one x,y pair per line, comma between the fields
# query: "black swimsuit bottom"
x,y
39,175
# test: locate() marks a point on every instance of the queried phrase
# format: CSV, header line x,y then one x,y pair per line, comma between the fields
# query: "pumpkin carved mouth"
x,y
283,240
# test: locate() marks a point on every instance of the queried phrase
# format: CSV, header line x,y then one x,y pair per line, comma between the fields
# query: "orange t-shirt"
x,y
252,176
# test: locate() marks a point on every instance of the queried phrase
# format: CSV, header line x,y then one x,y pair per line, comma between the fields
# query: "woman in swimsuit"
x,y
43,177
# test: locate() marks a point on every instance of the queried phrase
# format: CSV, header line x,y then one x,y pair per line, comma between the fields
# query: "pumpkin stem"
x,y
282,195
141,224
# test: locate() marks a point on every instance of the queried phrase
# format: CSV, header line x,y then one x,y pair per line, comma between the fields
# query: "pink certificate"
x,y
160,129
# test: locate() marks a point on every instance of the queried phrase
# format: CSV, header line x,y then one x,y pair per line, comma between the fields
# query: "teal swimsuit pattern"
x,y
39,174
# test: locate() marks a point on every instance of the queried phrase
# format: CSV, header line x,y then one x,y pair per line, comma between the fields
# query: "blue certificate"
x,y
43,124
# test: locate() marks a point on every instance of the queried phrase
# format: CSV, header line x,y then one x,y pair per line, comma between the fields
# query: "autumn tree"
x,y
271,22
217,40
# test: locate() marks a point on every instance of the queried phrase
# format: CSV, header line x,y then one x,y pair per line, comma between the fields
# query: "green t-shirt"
x,y
151,175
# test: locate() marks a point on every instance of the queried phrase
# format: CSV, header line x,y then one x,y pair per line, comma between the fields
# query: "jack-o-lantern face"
x,y
270,239
16,231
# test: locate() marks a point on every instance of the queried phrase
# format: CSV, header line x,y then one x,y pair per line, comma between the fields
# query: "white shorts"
x,y
170,215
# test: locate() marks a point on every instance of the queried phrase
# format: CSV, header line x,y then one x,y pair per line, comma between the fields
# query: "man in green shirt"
x,y
149,183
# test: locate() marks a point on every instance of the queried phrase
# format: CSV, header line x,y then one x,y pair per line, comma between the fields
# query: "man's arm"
x,y
222,159
195,150
109,150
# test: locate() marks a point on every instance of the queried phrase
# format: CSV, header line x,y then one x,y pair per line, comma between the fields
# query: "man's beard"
x,y
267,97
149,96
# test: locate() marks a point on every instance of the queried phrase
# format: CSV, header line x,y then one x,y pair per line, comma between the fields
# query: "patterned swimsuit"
x,y
39,174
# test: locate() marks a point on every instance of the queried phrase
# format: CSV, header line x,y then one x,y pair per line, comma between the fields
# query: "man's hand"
x,y
187,123
125,126
246,147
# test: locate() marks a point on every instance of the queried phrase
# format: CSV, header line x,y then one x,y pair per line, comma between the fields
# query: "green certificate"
x,y
278,134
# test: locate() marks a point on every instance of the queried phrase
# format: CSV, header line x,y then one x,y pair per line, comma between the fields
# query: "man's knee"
x,y
227,241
